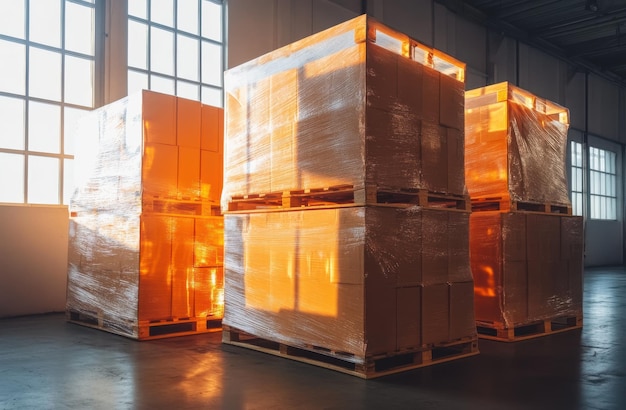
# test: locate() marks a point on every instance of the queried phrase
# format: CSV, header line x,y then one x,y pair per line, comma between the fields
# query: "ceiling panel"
x,y
591,33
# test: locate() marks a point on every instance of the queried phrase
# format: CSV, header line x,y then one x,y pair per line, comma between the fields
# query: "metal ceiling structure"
x,y
590,34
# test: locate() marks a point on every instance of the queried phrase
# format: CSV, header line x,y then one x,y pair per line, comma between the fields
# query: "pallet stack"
x,y
146,232
347,220
526,247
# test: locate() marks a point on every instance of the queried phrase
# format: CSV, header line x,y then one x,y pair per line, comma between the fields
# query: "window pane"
x,y
211,20
188,90
187,58
162,51
211,64
612,186
12,18
212,96
612,163
137,45
577,204
45,74
11,178
79,28
13,77
44,127
45,22
137,81
68,180
592,157
138,8
579,180
162,12
43,180
613,209
162,85
595,182
79,81
603,184
188,16
11,123
70,123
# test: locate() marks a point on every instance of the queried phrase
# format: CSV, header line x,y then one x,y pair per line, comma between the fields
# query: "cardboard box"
x,y
409,314
159,117
155,268
451,103
160,170
189,123
462,322
435,314
188,181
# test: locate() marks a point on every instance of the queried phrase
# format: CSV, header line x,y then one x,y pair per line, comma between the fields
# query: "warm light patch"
x,y
489,290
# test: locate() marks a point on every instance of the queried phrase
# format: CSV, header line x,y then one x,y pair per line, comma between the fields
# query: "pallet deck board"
x,y
348,195
506,204
146,330
366,368
500,332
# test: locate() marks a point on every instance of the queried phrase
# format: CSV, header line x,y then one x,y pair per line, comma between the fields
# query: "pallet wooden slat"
x,y
348,194
366,368
506,204
499,332
146,330
174,206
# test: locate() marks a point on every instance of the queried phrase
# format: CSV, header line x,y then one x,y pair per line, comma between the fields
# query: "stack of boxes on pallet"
x,y
347,223
146,234
526,247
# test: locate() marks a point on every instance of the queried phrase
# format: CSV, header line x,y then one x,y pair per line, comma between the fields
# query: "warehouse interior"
x,y
570,53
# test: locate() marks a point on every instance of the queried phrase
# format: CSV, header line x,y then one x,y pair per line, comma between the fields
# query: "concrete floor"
x,y
48,363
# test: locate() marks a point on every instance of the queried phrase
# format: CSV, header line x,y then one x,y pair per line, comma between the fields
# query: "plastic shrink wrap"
x,y
527,267
353,279
146,238
515,145
357,105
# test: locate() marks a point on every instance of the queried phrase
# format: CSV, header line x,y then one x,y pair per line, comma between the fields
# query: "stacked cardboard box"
x,y
527,265
146,235
361,107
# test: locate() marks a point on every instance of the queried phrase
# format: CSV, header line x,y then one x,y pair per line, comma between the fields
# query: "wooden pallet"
x,y
145,330
505,204
348,194
174,206
366,368
499,332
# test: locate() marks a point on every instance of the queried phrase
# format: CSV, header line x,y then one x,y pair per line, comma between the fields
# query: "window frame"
x,y
29,98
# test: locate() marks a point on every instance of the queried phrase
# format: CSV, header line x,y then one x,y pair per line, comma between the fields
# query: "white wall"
x,y
33,259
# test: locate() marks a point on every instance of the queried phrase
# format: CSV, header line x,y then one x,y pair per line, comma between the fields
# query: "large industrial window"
x,y
47,58
602,184
176,47
576,179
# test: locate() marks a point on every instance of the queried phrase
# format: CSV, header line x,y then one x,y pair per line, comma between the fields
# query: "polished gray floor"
x,y
48,363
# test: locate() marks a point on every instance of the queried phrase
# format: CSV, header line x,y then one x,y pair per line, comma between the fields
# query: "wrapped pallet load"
x,y
526,247
146,232
346,213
